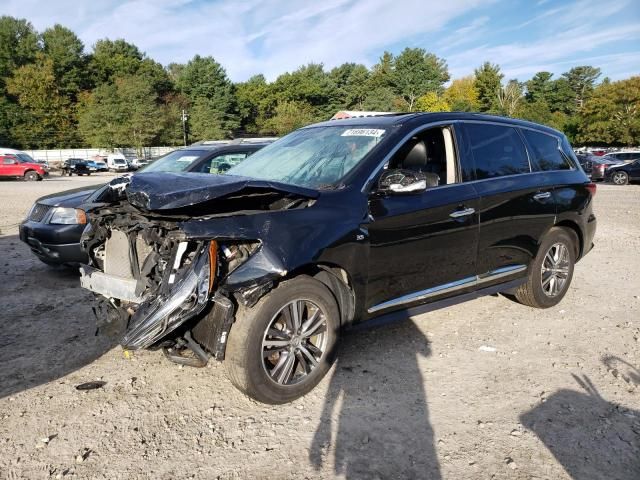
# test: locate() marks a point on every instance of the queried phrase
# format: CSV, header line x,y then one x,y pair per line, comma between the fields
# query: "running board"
x,y
406,314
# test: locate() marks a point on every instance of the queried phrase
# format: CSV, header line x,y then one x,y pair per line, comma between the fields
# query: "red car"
x,y
11,166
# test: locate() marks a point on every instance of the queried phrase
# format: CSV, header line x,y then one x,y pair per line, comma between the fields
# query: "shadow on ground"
x,y
592,438
368,408
46,323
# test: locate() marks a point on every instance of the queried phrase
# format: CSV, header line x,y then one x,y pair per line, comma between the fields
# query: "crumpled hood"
x,y
69,198
170,191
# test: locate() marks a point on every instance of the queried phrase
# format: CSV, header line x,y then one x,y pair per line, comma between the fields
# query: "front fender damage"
x,y
161,286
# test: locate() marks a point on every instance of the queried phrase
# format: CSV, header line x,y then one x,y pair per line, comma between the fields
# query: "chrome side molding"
x,y
450,287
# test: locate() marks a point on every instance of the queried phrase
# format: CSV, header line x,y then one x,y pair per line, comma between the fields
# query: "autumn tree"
x,y
432,102
415,73
288,116
462,95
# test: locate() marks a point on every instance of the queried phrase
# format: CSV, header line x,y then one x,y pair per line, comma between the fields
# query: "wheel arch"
x,y
575,229
339,283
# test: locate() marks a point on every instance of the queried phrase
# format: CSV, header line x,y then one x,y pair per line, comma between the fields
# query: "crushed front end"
x,y
161,287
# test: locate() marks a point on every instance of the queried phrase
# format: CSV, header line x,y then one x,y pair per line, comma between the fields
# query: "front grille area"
x,y
39,212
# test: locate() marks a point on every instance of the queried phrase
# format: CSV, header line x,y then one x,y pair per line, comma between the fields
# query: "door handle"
x,y
462,213
542,196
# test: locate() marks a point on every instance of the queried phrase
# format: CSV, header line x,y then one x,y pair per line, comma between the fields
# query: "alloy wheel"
x,y
619,178
294,342
555,269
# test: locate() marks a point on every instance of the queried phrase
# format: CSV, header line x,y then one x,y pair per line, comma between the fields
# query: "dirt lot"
x,y
487,389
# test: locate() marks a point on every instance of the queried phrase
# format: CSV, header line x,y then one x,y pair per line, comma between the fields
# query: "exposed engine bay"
x,y
157,285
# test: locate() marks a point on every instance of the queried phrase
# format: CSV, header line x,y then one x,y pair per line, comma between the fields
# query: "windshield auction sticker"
x,y
363,132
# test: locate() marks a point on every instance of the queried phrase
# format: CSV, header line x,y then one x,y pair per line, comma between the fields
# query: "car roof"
x,y
397,119
225,146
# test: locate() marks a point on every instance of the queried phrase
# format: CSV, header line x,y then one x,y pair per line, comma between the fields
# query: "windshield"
x,y
176,161
317,157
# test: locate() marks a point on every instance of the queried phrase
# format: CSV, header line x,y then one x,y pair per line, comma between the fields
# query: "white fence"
x,y
56,156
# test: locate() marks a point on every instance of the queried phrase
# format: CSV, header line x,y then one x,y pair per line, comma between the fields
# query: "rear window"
x,y
545,152
497,150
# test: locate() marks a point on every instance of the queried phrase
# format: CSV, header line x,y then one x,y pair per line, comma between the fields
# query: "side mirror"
x,y
399,182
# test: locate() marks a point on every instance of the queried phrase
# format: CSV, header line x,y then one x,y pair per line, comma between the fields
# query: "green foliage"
x,y
416,73
288,116
612,114
45,118
121,113
54,94
213,112
488,83
66,52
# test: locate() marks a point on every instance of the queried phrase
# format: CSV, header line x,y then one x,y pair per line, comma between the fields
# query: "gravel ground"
x,y
486,389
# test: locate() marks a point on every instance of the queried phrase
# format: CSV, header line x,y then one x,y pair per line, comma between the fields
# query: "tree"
x,y
289,115
114,58
582,80
612,114
462,95
18,45
121,114
45,118
509,97
66,52
213,112
253,102
351,80
539,86
488,82
416,73
432,102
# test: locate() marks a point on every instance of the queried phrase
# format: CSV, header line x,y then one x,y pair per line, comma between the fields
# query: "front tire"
x,y
551,271
282,347
620,178
31,176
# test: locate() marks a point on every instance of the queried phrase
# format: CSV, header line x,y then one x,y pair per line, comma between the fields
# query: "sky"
x,y
274,36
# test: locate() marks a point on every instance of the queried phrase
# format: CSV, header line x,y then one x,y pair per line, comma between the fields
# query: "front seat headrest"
x,y
416,158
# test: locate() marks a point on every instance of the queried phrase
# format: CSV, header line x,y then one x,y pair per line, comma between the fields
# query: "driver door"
x,y
423,246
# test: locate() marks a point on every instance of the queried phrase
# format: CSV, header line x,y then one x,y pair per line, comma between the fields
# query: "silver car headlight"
x,y
162,315
67,216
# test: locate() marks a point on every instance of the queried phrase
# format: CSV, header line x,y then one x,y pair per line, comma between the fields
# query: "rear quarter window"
x,y
544,151
497,150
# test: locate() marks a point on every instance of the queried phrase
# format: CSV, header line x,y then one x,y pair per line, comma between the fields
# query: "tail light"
x,y
592,188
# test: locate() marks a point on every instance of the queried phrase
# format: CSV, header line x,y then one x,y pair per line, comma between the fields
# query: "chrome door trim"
x,y
449,287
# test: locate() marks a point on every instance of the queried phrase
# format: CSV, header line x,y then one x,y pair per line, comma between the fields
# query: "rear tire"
x,y
262,348
551,271
31,176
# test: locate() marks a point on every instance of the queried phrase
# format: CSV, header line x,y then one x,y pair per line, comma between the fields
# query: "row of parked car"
x,y
619,168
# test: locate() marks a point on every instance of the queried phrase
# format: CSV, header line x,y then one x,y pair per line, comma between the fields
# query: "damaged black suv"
x,y
334,224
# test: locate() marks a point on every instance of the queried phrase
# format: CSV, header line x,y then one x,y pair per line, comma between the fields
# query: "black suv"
x,y
75,165
335,224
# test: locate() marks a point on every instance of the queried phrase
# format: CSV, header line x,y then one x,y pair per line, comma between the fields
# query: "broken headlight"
x,y
164,313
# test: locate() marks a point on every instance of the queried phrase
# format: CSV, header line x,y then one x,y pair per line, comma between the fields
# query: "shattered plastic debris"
x,y
91,385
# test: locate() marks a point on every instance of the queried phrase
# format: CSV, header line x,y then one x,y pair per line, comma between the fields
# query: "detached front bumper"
x,y
157,315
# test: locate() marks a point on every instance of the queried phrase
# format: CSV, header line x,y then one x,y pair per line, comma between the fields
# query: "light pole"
x,y
184,126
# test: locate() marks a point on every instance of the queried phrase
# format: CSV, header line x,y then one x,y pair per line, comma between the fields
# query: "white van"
x,y
117,162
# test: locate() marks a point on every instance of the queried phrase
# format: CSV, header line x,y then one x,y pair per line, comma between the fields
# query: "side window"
x,y
497,150
222,163
9,161
431,152
544,151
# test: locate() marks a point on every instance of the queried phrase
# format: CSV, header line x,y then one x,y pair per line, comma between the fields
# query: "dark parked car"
x,y
335,224
623,157
75,165
625,173
595,167
53,228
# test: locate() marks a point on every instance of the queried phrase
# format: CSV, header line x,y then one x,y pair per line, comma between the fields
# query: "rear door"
x,y
634,170
516,206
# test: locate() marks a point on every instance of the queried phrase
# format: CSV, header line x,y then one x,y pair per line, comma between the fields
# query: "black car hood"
x,y
69,198
171,191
